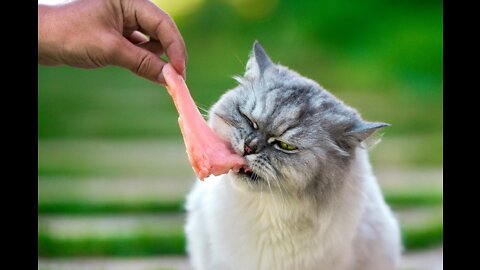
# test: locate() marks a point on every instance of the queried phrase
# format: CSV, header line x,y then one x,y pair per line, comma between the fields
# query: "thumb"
x,y
138,60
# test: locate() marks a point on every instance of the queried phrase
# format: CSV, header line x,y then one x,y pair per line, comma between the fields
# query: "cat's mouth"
x,y
248,173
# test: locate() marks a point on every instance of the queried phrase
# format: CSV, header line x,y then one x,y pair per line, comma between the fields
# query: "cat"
x,y
308,198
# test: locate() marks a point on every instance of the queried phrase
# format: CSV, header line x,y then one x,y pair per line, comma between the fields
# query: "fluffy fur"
x,y
316,205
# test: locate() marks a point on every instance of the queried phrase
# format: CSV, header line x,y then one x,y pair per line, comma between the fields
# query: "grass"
x,y
96,208
399,200
412,198
156,243
422,237
163,236
124,246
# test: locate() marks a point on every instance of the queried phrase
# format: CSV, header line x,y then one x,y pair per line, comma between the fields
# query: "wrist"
x,y
47,36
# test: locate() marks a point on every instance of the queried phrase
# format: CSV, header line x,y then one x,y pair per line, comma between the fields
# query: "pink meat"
x,y
207,153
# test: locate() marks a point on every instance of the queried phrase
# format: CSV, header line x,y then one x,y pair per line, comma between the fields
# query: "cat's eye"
x,y
250,122
285,146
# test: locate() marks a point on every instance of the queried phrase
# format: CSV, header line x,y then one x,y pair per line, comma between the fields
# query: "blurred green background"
x,y
112,171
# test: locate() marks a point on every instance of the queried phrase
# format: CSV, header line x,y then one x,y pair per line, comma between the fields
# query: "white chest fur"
x,y
232,229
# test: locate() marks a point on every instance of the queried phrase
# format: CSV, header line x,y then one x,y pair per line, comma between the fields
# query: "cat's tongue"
x,y
208,154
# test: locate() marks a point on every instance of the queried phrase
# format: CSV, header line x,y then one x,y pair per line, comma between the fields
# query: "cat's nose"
x,y
252,144
248,150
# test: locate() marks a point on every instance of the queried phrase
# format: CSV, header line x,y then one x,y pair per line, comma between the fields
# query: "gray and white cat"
x,y
308,199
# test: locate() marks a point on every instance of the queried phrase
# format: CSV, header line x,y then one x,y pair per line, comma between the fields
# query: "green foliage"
x,y
382,57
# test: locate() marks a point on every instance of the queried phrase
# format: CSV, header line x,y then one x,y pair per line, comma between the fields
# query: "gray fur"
x,y
316,206
284,104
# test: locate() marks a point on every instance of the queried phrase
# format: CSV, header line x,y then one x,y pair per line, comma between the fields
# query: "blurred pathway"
x,y
431,259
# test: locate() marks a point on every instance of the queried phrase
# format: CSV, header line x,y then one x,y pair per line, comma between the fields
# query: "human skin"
x,y
98,33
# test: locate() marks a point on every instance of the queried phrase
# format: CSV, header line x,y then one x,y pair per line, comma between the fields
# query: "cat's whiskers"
x,y
202,109
280,185
275,206
255,178
261,192
266,170
204,112
283,205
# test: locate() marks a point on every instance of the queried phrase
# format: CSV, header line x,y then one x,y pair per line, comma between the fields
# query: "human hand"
x,y
93,33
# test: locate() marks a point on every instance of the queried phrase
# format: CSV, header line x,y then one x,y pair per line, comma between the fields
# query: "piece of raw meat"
x,y
207,153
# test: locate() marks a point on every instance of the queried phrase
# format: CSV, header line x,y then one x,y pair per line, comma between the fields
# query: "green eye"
x,y
286,146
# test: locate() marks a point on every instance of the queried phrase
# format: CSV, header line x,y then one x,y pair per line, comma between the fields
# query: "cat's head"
x,y
294,134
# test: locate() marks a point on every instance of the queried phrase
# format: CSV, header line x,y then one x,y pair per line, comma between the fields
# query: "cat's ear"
x,y
358,133
259,61
362,130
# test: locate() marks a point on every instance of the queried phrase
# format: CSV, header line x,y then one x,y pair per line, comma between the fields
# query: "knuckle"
x,y
166,22
144,64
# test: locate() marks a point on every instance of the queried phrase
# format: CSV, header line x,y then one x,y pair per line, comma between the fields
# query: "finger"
x,y
136,37
159,25
140,61
153,46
